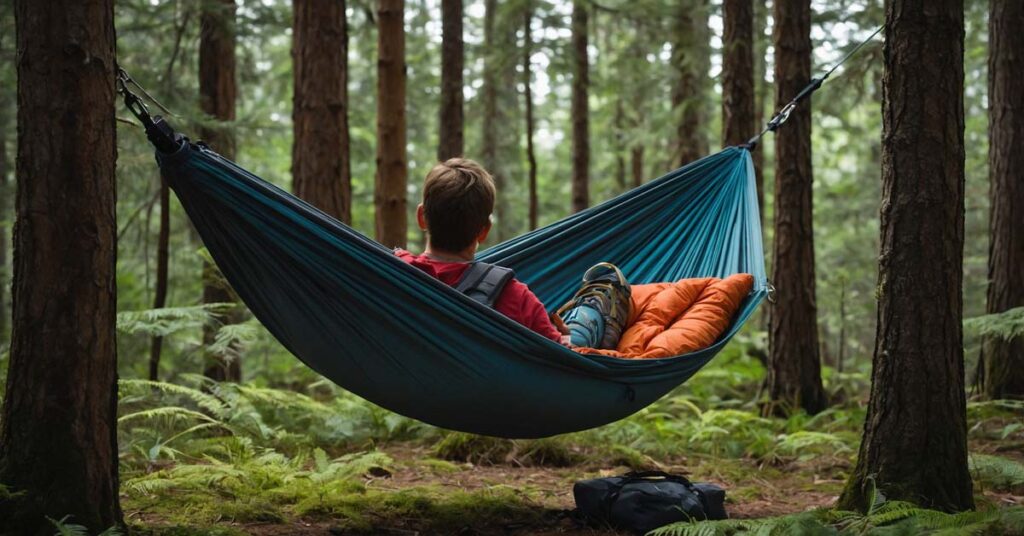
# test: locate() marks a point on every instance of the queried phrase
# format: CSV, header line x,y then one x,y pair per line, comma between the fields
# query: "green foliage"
x,y
64,528
997,472
1007,325
472,448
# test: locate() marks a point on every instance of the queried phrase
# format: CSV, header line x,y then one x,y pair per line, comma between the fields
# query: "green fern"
x,y
997,472
1007,325
168,320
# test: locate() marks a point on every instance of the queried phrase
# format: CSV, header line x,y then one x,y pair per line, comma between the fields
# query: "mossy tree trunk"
x,y
58,438
321,169
915,434
794,368
392,161
1003,360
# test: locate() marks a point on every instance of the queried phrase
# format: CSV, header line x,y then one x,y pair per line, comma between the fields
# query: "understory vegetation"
x,y
202,457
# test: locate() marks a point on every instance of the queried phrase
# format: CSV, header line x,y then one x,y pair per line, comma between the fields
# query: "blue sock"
x,y
586,326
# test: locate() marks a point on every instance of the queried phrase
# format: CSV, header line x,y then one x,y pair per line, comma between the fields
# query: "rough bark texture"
x,y
761,89
5,191
489,96
531,158
321,169
637,163
392,170
162,264
580,109
794,368
738,72
452,63
1003,360
915,434
58,440
692,60
218,91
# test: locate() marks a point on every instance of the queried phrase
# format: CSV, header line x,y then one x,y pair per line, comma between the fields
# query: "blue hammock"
x,y
417,347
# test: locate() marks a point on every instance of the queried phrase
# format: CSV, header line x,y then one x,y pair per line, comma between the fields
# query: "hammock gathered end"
x,y
358,315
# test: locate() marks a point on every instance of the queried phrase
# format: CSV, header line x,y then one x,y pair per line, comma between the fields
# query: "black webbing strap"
x,y
484,282
779,118
159,132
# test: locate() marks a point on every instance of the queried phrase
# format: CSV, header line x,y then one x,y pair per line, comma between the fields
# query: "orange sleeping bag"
x,y
670,319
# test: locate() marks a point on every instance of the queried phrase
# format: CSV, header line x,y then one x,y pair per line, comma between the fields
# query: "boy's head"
x,y
458,197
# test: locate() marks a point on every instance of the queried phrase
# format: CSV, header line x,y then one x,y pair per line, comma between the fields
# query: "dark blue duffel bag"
x,y
644,501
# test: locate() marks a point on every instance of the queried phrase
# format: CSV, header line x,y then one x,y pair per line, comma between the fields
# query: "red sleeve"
x,y
520,304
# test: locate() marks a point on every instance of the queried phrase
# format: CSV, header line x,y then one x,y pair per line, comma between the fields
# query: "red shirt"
x,y
516,301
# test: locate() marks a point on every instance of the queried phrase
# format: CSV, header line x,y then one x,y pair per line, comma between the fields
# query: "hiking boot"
x,y
597,314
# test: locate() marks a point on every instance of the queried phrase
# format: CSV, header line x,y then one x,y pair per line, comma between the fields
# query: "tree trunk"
x,y
392,169
58,437
761,89
162,262
4,203
691,58
737,72
452,62
637,159
321,171
217,93
915,433
794,368
489,96
580,109
531,158
1003,360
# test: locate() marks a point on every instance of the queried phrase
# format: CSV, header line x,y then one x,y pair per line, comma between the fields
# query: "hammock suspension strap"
x,y
775,122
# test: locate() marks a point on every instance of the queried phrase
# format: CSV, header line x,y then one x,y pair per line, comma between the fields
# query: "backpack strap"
x,y
484,282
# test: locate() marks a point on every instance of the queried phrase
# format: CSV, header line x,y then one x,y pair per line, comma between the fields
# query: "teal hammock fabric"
x,y
352,311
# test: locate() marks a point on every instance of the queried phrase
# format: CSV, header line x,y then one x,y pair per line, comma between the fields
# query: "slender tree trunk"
x,y
794,368
4,200
618,123
531,157
452,62
320,150
761,89
217,94
392,168
58,434
491,123
637,163
1003,360
915,433
691,59
580,109
162,262
738,96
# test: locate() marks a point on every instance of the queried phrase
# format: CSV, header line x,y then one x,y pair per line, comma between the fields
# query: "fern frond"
x,y
167,320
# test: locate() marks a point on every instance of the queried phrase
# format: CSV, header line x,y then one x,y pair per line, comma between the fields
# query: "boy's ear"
x,y
421,217
480,238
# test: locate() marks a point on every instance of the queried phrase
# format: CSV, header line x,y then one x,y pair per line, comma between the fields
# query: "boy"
x,y
458,198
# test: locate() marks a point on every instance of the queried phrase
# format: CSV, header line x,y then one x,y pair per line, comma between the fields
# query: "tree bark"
x,y
489,97
580,109
4,203
58,442
737,72
452,63
637,163
218,91
794,368
531,157
691,58
761,89
162,264
392,169
321,167
915,433
1003,360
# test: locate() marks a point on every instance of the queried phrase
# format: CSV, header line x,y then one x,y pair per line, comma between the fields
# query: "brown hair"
x,y
458,197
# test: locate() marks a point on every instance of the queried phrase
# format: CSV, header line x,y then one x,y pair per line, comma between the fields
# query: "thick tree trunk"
x,y
531,158
738,72
1003,360
392,169
691,59
452,62
580,109
58,438
491,123
915,434
794,368
162,265
218,91
321,170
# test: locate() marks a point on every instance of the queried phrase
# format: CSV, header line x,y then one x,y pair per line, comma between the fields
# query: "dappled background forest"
x,y
279,446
